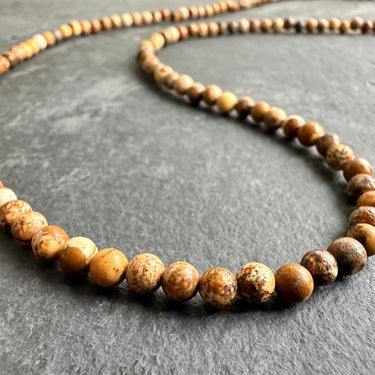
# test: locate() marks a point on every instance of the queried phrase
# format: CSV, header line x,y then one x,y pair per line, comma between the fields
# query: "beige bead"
x,y
116,21
161,73
291,125
147,17
274,118
157,41
127,19
213,28
10,210
170,80
311,25
256,282
334,24
360,184
244,25
367,199
266,25
107,267
226,102
143,273
6,195
365,234
259,110
218,287
171,35
76,27
41,40
211,94
183,83
66,31
278,25
86,27
76,255
338,155
26,225
47,242
180,281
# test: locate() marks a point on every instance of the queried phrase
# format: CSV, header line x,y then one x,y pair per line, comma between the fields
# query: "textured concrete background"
x,y
88,139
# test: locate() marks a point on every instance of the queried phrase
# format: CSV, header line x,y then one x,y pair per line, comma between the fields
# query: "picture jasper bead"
x,y
256,282
4,65
356,166
367,199
309,133
291,125
259,110
143,273
350,255
338,155
325,142
226,102
322,266
294,283
363,214
180,281
50,38
211,94
218,287
360,184
274,118
26,225
66,31
244,106
10,210
183,83
48,241
365,234
6,195
107,267
195,92
76,255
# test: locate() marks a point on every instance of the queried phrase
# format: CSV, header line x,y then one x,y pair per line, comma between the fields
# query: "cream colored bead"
x,y
226,102
41,40
6,195
10,210
127,19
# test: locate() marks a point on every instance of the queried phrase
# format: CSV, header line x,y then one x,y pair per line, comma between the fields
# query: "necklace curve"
x,y
180,281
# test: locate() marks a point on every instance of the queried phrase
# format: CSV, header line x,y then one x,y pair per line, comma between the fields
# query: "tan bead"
x,y
171,35
66,31
194,12
1,184
344,27
291,125
363,215
350,255
86,27
244,106
184,32
255,25
50,38
294,283
367,199
12,57
311,25
218,287
161,73
274,118
323,25
76,255
360,184
193,29
356,23
156,16
24,226
10,210
170,80
6,195
226,102
202,29
213,28
107,267
116,21
356,166
41,40
266,25
195,92
106,23
334,24
338,155
309,133
259,110
244,25
165,14
143,273
365,234
184,11
183,83
96,26
34,45
28,49
278,25
48,241
211,94
4,65
137,19
157,41
325,142
256,282
127,19
76,27
180,281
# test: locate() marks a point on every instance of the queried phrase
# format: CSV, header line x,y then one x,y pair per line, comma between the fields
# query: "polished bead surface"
x,y
183,83
365,234
356,166
50,38
195,92
259,110
6,195
211,94
360,184
367,199
25,225
291,125
274,118
10,210
325,142
226,102
363,214
309,133
244,106
66,31
338,155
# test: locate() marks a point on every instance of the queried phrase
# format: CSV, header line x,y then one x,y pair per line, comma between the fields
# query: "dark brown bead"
x,y
366,27
244,106
356,166
291,125
299,26
359,184
365,234
323,25
195,92
289,23
325,142
350,255
363,215
338,155
322,266
356,23
344,27
233,27
309,133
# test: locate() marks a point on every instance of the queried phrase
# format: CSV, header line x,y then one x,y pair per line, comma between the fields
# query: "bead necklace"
x,y
180,281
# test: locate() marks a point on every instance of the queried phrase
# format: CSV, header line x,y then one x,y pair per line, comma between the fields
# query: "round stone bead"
x,y
289,23
211,94
171,35
4,65
193,29
50,38
356,166
294,283
6,195
244,25
244,106
350,255
218,287
195,92
34,45
58,35
29,52
309,133
334,24
96,26
338,155
180,281
226,102
66,31
256,282
170,80
10,210
323,25
274,118
259,110
161,72
322,266
41,40
183,83
311,25
213,28
47,242
365,234
127,19
107,267
356,23
143,273
76,255
367,199
344,26
363,214
266,25
291,125
86,27
325,142
359,184
25,225
116,21
106,23
202,29
76,27
254,25
278,24
157,40
367,27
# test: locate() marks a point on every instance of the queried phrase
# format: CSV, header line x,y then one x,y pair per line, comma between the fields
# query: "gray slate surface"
x,y
90,141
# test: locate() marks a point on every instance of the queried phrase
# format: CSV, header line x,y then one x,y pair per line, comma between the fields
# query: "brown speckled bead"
x,y
344,27
86,27
338,155
106,23
244,106
107,267
50,38
76,255
233,27
294,283
157,40
4,65
367,199
334,24
323,25
6,195
25,225
266,25
195,92
363,214
291,125
47,242
226,102
299,26
161,72
365,234
309,133
183,83
211,94
356,166
170,80
322,266
11,57
274,118
127,19
256,282
76,27
66,31
278,25
356,23
10,210
350,255
311,25
289,23
259,110
325,142
360,184
218,287
96,26
116,21
180,281
143,273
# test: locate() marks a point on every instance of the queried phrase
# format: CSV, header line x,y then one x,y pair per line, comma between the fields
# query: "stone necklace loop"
x,y
180,281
